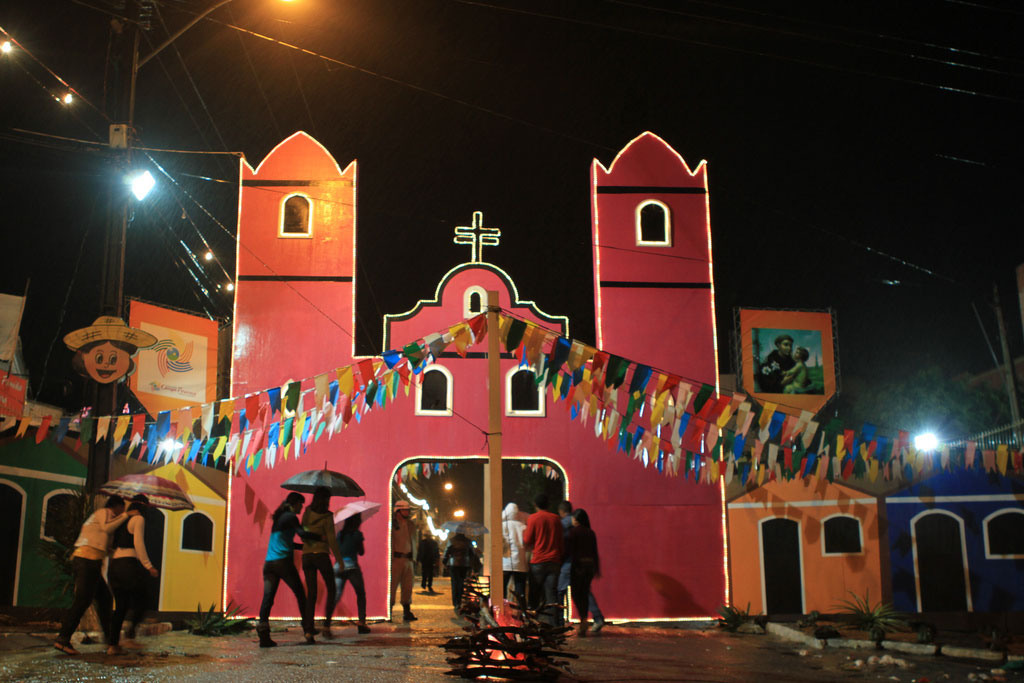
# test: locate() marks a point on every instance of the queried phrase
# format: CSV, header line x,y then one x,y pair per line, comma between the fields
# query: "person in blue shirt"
x,y
280,566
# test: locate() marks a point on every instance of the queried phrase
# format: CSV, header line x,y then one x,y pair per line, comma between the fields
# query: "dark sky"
x,y
862,156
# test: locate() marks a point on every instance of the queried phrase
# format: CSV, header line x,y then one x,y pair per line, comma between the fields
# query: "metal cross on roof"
x,y
477,236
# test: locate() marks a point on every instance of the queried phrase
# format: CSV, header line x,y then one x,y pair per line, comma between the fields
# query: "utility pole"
x,y
493,484
1010,375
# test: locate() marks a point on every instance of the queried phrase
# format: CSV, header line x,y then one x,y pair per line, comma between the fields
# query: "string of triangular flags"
x,y
262,427
679,426
424,470
660,419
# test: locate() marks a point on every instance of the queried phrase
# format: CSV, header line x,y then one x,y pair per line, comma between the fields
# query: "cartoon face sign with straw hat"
x,y
104,350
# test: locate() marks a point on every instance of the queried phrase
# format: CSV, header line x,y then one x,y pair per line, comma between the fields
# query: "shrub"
x,y
213,623
877,620
733,618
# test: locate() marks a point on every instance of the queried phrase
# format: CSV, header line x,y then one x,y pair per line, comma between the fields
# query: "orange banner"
x,y
181,368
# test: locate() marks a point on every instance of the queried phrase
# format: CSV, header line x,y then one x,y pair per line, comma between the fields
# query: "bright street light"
x,y
448,486
6,47
141,184
459,514
68,98
926,442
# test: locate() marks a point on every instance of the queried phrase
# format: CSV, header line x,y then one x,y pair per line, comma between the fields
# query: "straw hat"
x,y
108,328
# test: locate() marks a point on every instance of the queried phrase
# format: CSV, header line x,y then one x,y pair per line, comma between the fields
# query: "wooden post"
x,y
493,484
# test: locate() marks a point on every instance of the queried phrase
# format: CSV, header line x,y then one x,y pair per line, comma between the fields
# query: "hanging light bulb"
x,y
230,286
67,99
208,256
6,47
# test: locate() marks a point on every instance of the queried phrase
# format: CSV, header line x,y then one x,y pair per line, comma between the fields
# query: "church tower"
x,y
653,285
295,287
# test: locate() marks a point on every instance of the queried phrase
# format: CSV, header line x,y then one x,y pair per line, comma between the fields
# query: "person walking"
x,y
401,558
427,554
564,576
458,557
279,565
91,547
581,549
128,569
543,535
315,556
350,543
513,552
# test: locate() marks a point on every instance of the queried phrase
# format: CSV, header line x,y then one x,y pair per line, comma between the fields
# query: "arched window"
x,y
58,521
295,217
197,533
523,397
653,224
474,301
1004,534
842,535
434,392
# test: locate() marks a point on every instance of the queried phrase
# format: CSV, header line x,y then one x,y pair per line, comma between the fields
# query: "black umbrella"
x,y
338,483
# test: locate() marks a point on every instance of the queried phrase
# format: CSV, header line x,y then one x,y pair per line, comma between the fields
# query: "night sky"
x,y
861,156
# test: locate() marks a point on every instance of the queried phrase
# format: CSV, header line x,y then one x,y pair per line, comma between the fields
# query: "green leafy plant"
x,y
66,522
877,620
732,617
214,623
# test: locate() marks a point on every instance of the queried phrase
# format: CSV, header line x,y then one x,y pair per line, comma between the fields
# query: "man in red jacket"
x,y
543,536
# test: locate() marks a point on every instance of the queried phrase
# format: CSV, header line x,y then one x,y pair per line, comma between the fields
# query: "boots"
x,y
263,631
361,627
407,614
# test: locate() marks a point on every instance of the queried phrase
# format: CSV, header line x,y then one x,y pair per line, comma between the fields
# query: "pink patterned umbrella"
x,y
162,493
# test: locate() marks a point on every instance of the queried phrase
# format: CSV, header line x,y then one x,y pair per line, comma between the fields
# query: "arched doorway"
x,y
155,522
435,504
12,508
940,563
782,566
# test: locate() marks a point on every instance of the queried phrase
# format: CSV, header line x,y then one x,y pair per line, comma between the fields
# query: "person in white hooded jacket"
x,y
513,556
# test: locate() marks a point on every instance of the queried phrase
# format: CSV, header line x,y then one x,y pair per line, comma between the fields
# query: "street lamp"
x,y
459,514
927,442
448,486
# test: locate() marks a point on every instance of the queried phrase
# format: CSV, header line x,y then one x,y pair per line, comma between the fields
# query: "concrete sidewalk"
x,y
401,652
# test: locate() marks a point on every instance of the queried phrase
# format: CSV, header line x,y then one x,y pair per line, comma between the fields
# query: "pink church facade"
x,y
661,538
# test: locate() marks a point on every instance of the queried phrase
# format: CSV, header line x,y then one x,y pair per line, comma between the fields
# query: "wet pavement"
x,y
398,652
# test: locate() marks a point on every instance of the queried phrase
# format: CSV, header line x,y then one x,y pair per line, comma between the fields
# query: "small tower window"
x,y
434,392
842,535
197,533
295,216
523,397
58,511
474,301
653,224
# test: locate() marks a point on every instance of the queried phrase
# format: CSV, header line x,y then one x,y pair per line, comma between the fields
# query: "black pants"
x,y
579,580
89,587
128,582
518,584
354,577
427,576
458,582
274,572
313,564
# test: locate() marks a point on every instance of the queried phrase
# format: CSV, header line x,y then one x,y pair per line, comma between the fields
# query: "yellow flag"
x,y
1002,455
346,384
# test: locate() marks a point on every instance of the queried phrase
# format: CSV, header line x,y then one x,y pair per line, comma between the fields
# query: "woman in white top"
x,y
87,565
129,565
513,555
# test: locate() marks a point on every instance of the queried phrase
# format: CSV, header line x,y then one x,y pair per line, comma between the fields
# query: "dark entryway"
x,y
155,550
940,563
780,553
10,537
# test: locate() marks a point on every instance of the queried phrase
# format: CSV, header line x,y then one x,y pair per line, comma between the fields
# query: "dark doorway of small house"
x,y
780,553
155,549
10,532
940,564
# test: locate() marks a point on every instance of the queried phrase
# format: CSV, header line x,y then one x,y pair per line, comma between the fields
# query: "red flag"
x,y
44,427
366,372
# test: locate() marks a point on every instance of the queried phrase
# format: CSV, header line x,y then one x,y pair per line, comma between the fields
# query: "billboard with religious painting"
x,y
788,357
180,368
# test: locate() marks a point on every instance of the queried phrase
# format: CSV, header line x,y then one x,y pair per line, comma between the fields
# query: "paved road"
x,y
396,652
